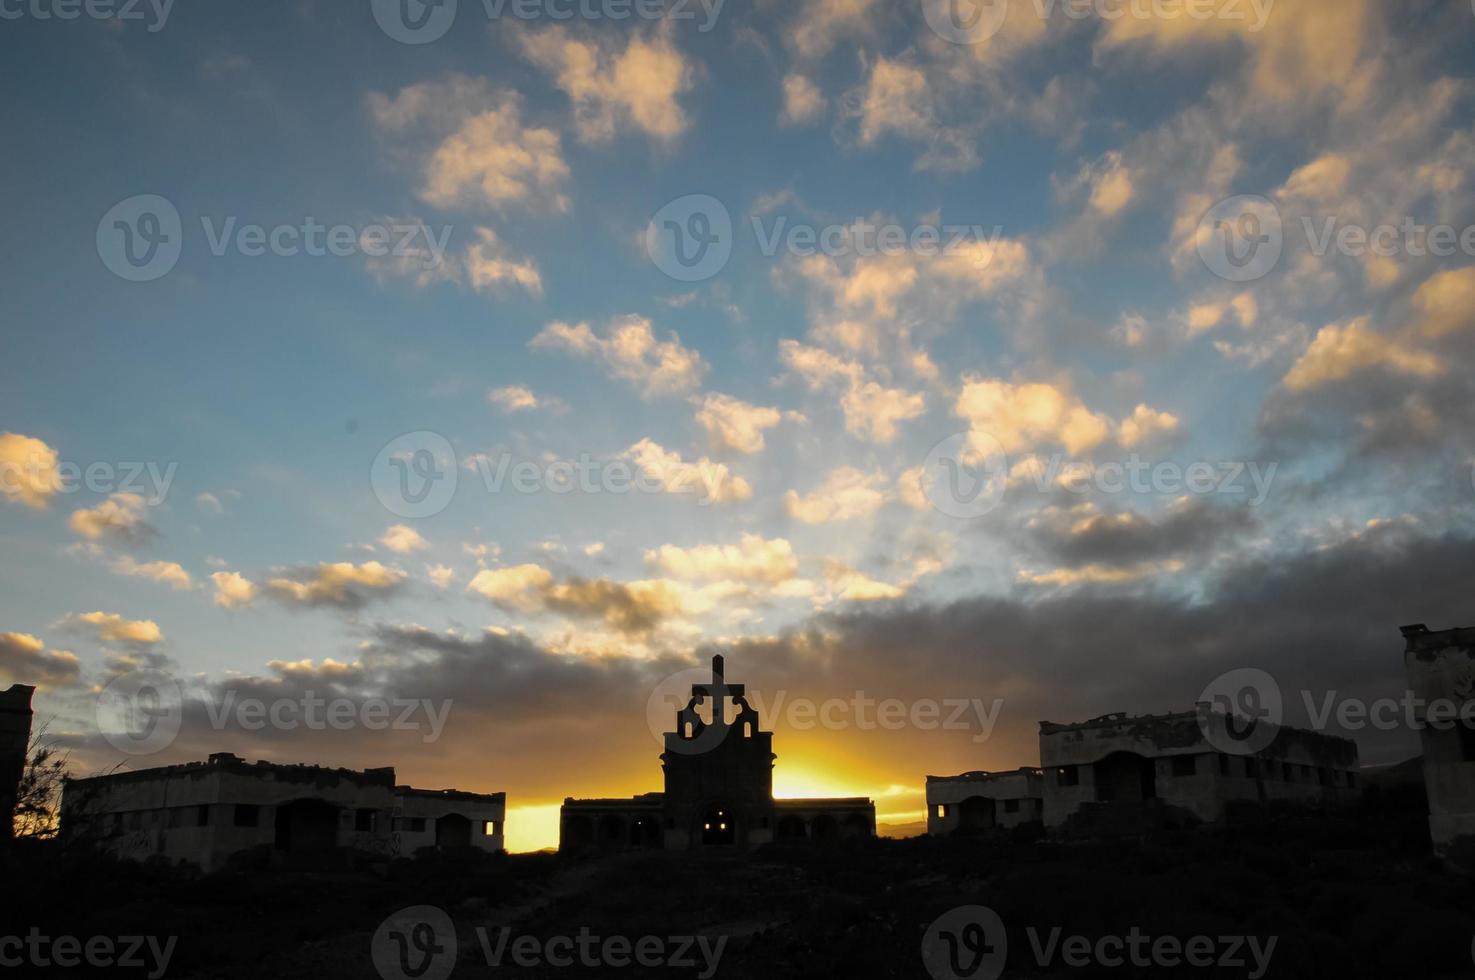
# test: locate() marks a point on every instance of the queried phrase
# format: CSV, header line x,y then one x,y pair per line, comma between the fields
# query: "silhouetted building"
x,y
1121,774
204,813
719,790
983,801
1441,671
15,738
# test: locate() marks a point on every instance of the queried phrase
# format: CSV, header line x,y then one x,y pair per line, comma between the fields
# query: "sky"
x,y
1007,362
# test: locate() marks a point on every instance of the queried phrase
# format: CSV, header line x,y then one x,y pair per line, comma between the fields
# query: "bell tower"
x,y
719,773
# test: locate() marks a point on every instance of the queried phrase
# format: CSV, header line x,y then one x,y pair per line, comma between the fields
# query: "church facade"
x,y
719,790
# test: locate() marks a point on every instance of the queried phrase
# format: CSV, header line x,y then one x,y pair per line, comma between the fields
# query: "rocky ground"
x,y
1353,894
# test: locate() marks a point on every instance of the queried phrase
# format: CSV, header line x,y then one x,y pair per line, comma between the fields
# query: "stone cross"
x,y
719,691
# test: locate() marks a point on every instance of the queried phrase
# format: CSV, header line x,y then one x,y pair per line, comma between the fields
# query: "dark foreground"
x,y
1352,894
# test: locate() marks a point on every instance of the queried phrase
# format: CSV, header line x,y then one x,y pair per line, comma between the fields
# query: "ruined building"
x,y
1120,774
203,813
15,737
982,801
1441,680
719,790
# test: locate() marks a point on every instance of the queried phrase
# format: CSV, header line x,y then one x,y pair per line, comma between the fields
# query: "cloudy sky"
x,y
1059,357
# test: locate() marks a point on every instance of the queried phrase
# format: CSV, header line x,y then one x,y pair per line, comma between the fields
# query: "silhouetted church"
x,y
719,790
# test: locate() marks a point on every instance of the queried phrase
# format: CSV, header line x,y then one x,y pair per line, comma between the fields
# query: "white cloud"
x,y
714,482
403,539
1022,416
733,424
803,102
846,494
441,576
483,155
637,86
631,353
24,659
165,572
340,584
113,628
119,518
872,410
27,470
519,587
232,589
753,559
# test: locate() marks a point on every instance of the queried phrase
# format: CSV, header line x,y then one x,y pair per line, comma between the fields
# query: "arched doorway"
x,y
1124,777
306,827
977,813
791,828
452,830
718,825
824,827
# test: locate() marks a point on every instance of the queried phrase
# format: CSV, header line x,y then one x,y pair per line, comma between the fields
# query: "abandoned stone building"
x,y
203,813
719,789
982,801
15,737
1118,773
1441,680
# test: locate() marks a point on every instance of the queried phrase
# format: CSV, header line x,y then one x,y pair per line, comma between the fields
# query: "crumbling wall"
x,y
15,736
1441,668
